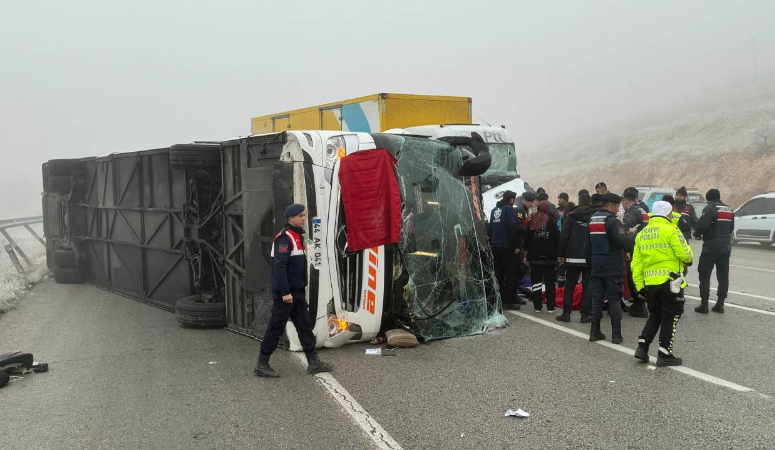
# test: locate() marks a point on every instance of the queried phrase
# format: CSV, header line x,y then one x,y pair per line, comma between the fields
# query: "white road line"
x,y
752,268
360,416
732,305
739,293
629,351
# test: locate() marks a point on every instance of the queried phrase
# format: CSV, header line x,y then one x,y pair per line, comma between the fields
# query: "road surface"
x,y
126,375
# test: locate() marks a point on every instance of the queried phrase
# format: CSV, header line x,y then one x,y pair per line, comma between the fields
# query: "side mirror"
x,y
473,167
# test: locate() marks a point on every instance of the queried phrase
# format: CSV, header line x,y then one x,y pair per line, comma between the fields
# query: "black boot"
x,y
595,334
703,308
719,306
668,359
316,365
642,353
638,308
626,307
564,317
616,333
585,317
263,369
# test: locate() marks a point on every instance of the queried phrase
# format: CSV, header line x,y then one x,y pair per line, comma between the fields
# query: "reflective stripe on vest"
x,y
296,243
724,213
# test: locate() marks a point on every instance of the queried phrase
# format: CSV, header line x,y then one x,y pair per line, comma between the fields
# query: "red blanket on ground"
x,y
371,197
561,292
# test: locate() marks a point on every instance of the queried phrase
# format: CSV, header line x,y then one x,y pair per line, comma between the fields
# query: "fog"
x,y
81,78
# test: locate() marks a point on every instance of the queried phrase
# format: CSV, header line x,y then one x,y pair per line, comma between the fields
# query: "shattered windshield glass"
x,y
504,161
451,289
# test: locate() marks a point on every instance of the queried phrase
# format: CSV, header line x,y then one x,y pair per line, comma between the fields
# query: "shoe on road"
x,y
563,317
263,369
702,309
664,360
642,353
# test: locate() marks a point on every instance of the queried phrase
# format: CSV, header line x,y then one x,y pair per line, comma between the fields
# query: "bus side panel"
x,y
404,113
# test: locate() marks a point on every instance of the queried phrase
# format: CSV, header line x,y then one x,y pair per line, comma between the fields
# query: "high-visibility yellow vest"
x,y
660,248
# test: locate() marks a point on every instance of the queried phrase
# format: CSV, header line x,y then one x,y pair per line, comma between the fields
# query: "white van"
x,y
755,220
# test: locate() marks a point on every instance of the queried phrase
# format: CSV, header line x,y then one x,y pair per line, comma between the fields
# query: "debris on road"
x,y
518,413
385,351
401,338
378,340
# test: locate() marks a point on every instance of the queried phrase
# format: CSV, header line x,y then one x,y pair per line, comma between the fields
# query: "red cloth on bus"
x,y
372,200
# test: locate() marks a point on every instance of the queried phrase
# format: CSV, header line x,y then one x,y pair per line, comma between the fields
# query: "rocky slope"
x,y
726,143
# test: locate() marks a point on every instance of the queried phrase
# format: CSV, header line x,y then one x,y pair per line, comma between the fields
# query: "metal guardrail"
x,y
12,248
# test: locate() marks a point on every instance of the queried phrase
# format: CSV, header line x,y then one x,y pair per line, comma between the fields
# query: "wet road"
x,y
125,375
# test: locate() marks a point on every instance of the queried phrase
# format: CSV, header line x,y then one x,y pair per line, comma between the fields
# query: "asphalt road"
x,y
125,375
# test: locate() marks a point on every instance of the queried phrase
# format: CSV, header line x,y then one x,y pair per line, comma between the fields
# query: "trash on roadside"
x,y
518,413
385,351
20,362
14,378
401,338
213,362
651,367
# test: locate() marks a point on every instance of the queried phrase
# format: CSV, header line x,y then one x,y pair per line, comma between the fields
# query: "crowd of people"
x,y
602,242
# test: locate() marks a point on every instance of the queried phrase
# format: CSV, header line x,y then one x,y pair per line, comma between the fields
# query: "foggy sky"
x,y
83,78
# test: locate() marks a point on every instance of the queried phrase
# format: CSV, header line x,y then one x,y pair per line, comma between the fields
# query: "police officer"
x,y
688,218
572,252
715,228
635,215
601,188
525,205
289,282
608,241
635,219
660,255
506,246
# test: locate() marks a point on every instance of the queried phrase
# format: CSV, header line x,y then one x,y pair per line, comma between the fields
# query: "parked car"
x,y
650,194
755,220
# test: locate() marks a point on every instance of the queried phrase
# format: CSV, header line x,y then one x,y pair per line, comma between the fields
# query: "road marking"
x,y
629,351
739,293
752,268
360,416
732,305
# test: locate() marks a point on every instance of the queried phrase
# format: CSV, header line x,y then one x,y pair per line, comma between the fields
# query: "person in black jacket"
x,y
506,246
572,252
541,248
688,218
715,228
289,282
608,242
635,219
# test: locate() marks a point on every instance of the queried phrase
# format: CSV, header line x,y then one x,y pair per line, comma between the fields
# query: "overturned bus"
x,y
191,227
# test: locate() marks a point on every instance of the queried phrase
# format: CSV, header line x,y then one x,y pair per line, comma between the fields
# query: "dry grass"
x,y
728,144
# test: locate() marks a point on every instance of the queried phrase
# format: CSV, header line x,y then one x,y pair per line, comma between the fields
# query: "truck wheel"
x,y
67,275
65,259
59,183
64,166
192,312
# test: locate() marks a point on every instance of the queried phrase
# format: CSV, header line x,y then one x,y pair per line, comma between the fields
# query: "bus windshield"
x,y
450,290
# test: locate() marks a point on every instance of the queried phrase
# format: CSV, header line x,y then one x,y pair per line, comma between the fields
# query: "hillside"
x,y
726,142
